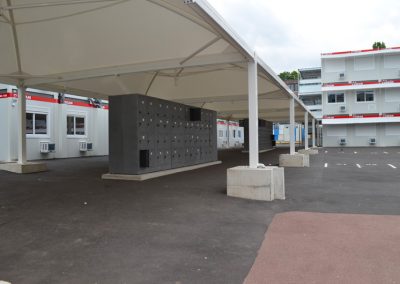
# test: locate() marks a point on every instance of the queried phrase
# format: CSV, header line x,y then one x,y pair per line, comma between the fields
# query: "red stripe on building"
x,y
50,100
41,99
367,115
75,103
361,83
8,95
359,51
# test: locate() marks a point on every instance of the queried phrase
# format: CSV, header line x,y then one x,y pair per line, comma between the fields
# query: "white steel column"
x,y
313,132
292,135
253,113
306,130
21,125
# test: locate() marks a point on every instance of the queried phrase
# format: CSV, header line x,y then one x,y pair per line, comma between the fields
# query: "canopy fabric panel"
x,y
172,49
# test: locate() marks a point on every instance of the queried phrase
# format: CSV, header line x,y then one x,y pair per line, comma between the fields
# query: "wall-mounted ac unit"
x,y
85,146
47,147
342,141
342,108
372,141
341,76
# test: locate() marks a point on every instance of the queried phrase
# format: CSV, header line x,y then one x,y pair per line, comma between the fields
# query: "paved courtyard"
x,y
69,226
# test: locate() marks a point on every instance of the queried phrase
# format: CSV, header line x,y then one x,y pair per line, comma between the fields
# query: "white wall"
x,y
233,141
96,130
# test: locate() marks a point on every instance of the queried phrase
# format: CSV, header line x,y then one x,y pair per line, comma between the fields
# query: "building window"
x,y
239,134
336,98
221,133
234,133
36,123
75,125
365,96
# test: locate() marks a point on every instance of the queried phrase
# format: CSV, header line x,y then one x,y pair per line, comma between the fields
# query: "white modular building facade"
x,y
57,126
310,90
361,98
230,134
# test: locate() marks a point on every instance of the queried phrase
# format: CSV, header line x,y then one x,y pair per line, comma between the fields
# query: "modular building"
x,y
310,89
57,125
230,134
361,98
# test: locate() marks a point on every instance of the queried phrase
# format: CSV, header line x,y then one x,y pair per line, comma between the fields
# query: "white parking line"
x,y
326,165
390,165
355,152
358,166
326,152
385,153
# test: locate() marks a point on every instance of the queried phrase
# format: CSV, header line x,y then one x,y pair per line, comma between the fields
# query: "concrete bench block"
x,y
310,151
28,168
264,184
295,160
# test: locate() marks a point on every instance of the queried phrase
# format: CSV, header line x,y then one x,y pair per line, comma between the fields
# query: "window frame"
x,y
365,96
76,115
38,111
336,95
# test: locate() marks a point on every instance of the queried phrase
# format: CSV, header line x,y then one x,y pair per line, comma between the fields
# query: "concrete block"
x,y
278,175
27,168
164,172
264,184
310,151
295,160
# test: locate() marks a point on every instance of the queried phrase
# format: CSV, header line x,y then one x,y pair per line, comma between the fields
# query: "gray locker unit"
x,y
148,134
265,134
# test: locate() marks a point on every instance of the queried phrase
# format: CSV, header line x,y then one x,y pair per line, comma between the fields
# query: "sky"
x,y
290,34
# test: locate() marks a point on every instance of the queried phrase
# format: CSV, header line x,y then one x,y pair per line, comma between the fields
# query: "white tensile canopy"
x,y
178,50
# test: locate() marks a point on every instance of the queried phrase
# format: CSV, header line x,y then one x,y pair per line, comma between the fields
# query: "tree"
x,y
286,75
379,45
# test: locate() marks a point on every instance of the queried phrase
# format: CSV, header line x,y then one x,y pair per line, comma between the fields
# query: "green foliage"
x,y
379,45
286,75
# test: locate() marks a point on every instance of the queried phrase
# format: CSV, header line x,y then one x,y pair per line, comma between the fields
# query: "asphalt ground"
x,y
70,226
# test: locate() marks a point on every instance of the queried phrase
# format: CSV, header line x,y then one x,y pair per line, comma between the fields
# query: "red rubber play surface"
x,y
308,248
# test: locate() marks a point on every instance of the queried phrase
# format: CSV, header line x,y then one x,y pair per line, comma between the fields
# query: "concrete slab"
x,y
28,168
296,160
266,184
158,174
310,151
70,225
260,152
302,247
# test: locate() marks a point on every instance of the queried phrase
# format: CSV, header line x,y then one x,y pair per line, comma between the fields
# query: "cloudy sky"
x,y
291,34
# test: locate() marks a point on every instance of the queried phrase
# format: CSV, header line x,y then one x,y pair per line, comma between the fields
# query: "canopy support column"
x,y
292,135
306,130
21,125
313,132
256,181
253,113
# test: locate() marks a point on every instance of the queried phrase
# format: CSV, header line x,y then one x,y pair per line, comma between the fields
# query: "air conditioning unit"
x,y
341,76
342,108
372,141
47,147
342,141
85,146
